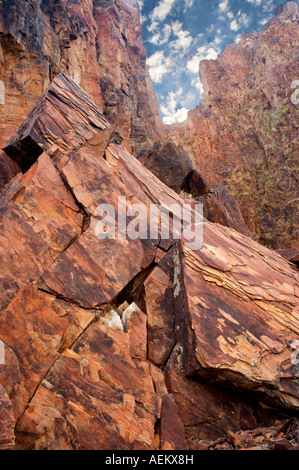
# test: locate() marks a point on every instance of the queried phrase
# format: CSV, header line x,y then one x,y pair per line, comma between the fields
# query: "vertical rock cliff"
x,y
98,43
244,133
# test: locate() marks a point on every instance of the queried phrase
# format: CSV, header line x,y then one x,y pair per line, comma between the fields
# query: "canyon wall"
x,y
244,133
126,343
98,43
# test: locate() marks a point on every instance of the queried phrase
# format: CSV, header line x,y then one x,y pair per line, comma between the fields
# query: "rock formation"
x,y
173,166
244,134
241,137
98,43
128,343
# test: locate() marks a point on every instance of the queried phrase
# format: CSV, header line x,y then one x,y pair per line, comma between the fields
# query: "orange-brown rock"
x,y
169,162
8,169
157,295
98,43
39,218
290,255
173,166
129,98
221,208
172,429
135,324
244,132
65,118
39,327
7,420
82,317
207,412
40,39
243,315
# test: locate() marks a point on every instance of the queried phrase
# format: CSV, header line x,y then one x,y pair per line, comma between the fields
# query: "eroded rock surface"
x,y
244,132
97,43
109,342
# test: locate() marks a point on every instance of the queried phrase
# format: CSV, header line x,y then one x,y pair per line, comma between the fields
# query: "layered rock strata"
x,y
132,344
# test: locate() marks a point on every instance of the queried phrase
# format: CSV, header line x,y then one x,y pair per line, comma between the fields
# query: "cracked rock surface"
x,y
132,344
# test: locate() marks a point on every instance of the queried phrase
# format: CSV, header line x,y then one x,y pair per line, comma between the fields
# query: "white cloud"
x,y
161,35
241,20
255,2
197,84
158,66
223,6
264,21
188,4
183,40
208,51
172,110
162,10
210,28
234,26
143,18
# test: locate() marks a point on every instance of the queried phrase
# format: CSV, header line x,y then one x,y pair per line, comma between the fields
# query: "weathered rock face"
x,y
244,132
173,166
130,101
98,43
290,255
64,111
127,343
170,163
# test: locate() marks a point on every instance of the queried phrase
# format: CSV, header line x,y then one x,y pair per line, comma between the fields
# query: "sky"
x,y
178,34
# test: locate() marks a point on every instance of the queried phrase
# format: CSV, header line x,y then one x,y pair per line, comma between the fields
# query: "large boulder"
x,y
169,162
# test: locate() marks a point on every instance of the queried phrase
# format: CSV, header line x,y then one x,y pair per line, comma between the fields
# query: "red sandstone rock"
x,y
290,255
76,374
158,298
207,412
136,114
65,118
135,324
172,429
39,218
170,163
97,43
7,420
244,132
8,169
236,332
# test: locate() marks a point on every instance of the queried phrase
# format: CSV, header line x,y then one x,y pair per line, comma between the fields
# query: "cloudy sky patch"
x,y
178,34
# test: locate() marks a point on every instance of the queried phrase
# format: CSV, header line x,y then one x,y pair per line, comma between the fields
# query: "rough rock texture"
x,y
221,208
170,163
64,111
244,134
134,344
129,98
7,437
173,166
98,43
290,255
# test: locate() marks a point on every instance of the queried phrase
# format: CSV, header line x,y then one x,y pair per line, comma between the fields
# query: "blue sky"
x,y
177,34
